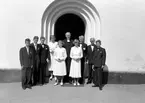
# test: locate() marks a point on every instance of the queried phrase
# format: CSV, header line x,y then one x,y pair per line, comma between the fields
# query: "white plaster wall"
x,y
122,31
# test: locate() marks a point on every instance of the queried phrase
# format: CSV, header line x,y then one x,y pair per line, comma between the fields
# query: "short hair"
x,y
81,36
35,37
92,39
27,39
52,36
99,41
60,41
42,37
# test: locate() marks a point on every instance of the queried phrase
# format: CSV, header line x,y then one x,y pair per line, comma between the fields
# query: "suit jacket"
x,y
84,49
67,46
36,52
26,60
99,57
44,53
90,54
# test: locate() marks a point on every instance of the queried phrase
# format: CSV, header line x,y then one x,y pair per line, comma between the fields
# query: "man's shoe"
x,y
100,88
23,88
89,82
94,86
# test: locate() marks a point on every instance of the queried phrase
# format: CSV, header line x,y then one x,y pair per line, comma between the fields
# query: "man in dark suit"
x,y
44,59
99,63
83,60
90,53
26,61
36,48
68,43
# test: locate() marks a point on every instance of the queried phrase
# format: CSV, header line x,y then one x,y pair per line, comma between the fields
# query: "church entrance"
x,y
69,23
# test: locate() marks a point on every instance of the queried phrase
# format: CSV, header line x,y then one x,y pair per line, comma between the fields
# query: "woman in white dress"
x,y
75,69
59,69
52,45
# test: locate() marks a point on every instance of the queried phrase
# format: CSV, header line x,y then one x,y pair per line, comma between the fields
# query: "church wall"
x,y
122,31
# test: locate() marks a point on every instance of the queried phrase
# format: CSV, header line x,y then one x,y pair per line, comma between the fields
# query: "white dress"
x,y
52,47
59,68
75,68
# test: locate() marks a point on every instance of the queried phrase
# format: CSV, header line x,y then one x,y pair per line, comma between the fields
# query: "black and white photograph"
x,y
72,51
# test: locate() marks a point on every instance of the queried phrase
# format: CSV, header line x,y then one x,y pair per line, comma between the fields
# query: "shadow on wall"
x,y
14,75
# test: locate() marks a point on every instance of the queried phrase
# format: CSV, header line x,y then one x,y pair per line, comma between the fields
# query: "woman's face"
x,y
52,38
60,44
76,44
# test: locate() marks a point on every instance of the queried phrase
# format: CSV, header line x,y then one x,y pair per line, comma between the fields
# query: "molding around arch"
x,y
82,8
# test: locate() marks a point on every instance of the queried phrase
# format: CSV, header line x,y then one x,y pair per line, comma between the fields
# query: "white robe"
x,y
75,68
52,47
59,68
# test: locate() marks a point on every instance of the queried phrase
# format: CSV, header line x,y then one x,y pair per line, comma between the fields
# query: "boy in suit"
x,y
44,59
99,63
26,61
36,49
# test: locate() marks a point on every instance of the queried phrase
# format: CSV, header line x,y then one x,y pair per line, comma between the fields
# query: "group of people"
x,y
65,60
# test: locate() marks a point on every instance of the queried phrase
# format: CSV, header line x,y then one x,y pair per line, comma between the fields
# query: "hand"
x,y
47,60
59,60
103,66
93,68
32,66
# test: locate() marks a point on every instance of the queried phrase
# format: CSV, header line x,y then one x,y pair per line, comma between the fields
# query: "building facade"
x,y
118,23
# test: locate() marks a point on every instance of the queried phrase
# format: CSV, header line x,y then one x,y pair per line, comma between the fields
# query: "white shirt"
x,y
27,50
35,45
92,47
68,40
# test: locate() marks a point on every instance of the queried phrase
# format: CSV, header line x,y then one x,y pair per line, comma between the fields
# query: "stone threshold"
x,y
14,75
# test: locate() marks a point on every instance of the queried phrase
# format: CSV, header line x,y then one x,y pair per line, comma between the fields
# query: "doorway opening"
x,y
69,23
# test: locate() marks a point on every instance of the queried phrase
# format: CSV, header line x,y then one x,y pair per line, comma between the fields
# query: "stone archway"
x,y
82,8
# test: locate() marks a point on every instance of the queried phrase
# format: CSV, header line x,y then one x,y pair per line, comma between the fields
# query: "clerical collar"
x,y
35,44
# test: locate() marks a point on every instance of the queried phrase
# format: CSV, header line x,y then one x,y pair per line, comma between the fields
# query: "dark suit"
x,y
90,55
36,63
99,61
67,46
44,55
84,49
26,61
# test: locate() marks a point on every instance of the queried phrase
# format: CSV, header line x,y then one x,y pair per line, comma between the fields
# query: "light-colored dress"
x,y
59,67
52,47
75,68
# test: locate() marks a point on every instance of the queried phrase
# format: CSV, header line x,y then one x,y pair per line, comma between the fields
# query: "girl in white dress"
x,y
52,45
59,69
75,69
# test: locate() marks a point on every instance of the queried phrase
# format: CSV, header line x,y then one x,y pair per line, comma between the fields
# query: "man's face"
x,y
35,41
42,41
92,41
27,43
98,44
81,39
68,35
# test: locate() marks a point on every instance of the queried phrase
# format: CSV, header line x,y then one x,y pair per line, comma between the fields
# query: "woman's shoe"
x,y
56,83
61,83
75,84
78,83
51,78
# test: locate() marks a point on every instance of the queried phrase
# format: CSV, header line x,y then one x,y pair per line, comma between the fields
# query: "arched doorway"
x,y
69,23
83,8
